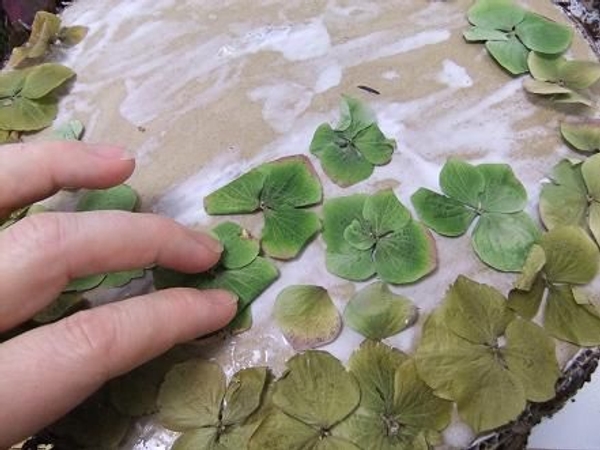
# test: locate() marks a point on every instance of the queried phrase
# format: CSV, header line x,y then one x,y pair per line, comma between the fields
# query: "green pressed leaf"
x,y
70,36
476,312
306,316
316,389
359,235
374,146
545,67
510,54
574,98
406,255
583,136
119,279
338,214
489,396
594,220
561,205
377,313
527,303
239,247
571,255
580,74
244,395
477,34
496,14
191,396
85,283
568,321
290,182
355,265
530,356
384,212
502,192
240,196
121,197
279,431
535,262
590,170
462,181
374,365
545,88
11,82
70,131
287,231
65,303
198,439
543,35
43,79
503,241
44,31
414,402
444,215
349,152
23,114
341,161
355,116
242,322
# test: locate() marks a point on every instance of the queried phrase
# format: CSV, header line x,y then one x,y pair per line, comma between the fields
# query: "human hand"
x,y
47,371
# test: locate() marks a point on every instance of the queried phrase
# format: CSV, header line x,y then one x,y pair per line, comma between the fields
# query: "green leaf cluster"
x,y
584,136
213,415
572,197
564,258
307,316
349,152
560,79
476,352
503,234
397,411
377,313
281,190
312,397
240,271
368,235
46,30
510,32
27,100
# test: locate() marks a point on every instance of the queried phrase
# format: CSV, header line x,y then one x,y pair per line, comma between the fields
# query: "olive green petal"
x,y
496,14
70,36
359,235
590,170
580,75
291,182
503,241
191,395
307,316
545,87
28,115
121,197
503,192
11,82
510,54
44,31
45,78
530,356
344,164
316,389
355,116
568,173
414,402
240,196
442,214
374,365
374,146
377,313
385,213
543,35
406,255
562,205
287,231
476,312
535,262
334,443
244,395
571,255
527,303
239,247
568,321
594,220
324,137
353,264
544,67
480,34
574,98
583,136
338,214
489,397
462,181
280,431
242,322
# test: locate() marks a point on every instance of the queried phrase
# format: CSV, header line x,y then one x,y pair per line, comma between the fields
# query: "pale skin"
x,y
46,372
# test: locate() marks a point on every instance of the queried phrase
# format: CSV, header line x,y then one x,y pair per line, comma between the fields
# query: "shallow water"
x,y
203,92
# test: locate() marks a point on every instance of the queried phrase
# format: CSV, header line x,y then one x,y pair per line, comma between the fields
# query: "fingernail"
x,y
110,152
221,297
211,243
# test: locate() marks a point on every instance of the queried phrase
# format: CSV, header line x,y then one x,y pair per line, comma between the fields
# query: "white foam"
x,y
454,76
